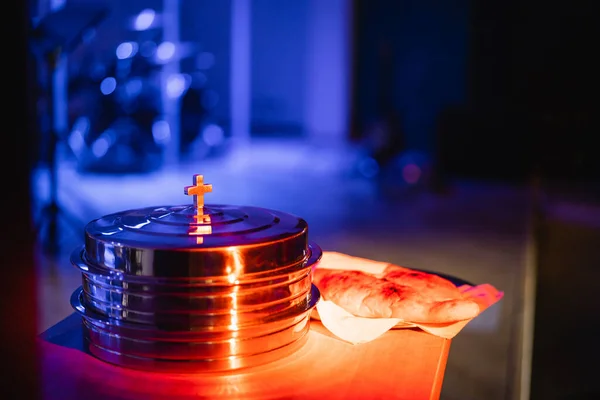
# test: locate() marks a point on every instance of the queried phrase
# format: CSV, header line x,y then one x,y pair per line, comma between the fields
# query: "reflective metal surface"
x,y
187,366
197,302
195,288
179,242
239,276
190,299
191,320
144,347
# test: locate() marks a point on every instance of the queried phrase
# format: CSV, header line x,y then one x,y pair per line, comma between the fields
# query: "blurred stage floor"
x,y
476,231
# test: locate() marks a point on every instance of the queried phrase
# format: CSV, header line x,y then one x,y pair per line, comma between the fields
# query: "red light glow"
x,y
411,173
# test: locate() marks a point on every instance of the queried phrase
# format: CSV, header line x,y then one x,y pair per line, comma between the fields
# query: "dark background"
x,y
18,308
526,100
517,105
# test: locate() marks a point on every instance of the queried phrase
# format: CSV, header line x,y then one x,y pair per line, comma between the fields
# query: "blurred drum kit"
x,y
114,121
116,111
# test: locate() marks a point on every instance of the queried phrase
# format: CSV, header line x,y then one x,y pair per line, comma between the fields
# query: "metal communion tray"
x,y
150,348
195,287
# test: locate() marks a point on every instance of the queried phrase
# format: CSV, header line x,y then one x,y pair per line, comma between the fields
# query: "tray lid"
x,y
195,240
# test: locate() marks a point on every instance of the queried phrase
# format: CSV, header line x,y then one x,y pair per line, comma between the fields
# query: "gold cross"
x,y
199,230
198,190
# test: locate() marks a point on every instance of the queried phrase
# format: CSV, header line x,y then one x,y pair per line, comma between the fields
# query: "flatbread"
x,y
428,285
398,292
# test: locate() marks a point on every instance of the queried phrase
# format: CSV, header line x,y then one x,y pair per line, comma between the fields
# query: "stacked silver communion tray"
x,y
195,288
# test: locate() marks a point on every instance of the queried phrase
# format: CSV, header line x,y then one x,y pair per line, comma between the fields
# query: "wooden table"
x,y
401,364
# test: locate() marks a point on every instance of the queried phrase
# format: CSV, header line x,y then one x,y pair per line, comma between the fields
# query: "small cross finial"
x,y
198,190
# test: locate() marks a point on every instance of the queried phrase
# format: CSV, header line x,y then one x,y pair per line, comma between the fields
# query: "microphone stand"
x,y
48,221
56,35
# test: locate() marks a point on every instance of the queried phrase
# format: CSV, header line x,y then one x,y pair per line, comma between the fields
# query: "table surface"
x,y
401,364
